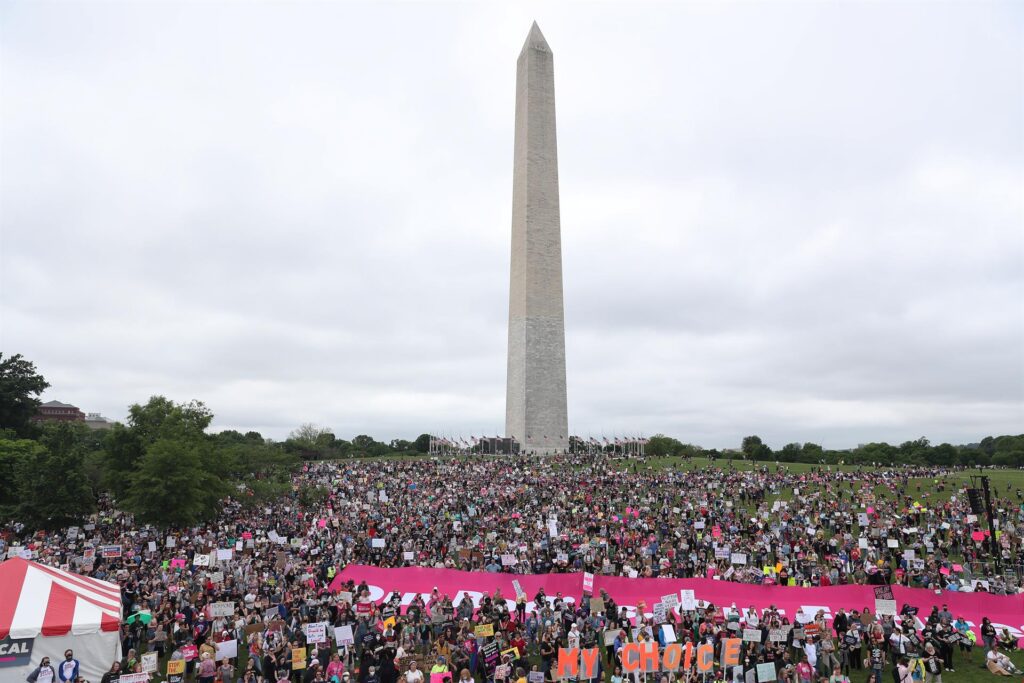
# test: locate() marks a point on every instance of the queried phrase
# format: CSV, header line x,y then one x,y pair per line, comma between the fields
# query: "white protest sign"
x,y
227,649
343,635
316,632
222,609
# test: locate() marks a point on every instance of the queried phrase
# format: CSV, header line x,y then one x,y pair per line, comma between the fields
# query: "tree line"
x,y
997,451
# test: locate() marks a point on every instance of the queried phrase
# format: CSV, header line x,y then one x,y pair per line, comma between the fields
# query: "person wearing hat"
x,y
932,665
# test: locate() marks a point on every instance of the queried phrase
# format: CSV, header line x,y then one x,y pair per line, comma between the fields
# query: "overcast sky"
x,y
803,221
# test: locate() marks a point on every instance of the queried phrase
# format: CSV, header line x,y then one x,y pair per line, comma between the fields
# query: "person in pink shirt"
x,y
804,671
335,667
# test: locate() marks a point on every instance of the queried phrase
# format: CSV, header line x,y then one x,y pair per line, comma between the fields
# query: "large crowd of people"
x,y
818,528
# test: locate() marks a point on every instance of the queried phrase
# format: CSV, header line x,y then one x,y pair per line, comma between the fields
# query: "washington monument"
x,y
535,404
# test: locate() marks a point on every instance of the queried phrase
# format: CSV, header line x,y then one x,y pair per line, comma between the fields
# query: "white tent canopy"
x,y
45,611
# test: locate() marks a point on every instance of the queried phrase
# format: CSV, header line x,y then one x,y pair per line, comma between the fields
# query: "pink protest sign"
x,y
178,563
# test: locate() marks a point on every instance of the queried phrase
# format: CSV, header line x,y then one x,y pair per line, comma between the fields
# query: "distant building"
x,y
55,411
97,421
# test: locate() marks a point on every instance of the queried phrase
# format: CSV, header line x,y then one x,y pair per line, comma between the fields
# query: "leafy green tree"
x,y
422,443
750,444
121,455
14,452
53,489
660,445
176,484
20,387
812,451
761,453
791,452
312,437
161,418
400,445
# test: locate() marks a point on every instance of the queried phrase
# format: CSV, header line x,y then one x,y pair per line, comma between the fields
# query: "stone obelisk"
x,y
535,404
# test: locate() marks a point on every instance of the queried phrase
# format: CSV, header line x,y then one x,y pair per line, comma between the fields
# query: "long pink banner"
x,y
1004,610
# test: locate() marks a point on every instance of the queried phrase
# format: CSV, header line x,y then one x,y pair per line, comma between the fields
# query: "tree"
x,y
162,418
20,387
121,454
812,452
175,484
400,445
53,489
750,444
422,443
12,454
791,452
761,453
660,445
311,437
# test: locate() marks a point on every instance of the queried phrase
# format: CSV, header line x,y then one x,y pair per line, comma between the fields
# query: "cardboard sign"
x,y
134,678
508,560
766,672
150,661
671,601
659,613
227,649
175,667
377,543
484,630
751,635
344,636
316,633
298,658
588,582
222,609
520,593
596,605
738,558
687,600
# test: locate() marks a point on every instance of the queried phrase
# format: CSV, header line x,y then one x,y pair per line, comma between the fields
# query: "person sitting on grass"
x,y
1007,641
999,664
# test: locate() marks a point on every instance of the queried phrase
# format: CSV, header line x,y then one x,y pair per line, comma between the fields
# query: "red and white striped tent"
x,y
49,611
